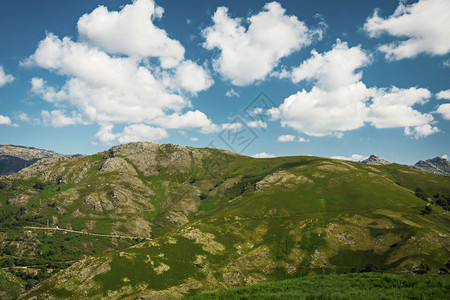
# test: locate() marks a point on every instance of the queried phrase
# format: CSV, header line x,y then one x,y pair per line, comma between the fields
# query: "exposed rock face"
x,y
375,160
280,179
15,158
437,165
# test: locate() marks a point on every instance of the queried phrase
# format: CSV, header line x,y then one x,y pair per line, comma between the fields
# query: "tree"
x,y
426,211
39,185
3,185
421,194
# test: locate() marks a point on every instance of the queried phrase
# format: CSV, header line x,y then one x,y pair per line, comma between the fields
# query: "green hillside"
x,y
344,286
201,220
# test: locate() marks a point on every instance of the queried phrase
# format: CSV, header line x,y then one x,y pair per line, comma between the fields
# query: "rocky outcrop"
x,y
437,165
375,160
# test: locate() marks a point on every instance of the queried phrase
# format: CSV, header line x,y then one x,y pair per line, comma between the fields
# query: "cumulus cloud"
x,y
105,134
320,113
444,110
131,133
129,88
424,27
339,101
5,78
443,95
333,69
191,77
131,32
286,138
421,131
58,118
250,54
5,120
141,132
302,140
263,155
353,157
393,108
191,119
194,139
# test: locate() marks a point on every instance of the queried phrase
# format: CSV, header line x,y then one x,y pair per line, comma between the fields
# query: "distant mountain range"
x,y
14,158
437,165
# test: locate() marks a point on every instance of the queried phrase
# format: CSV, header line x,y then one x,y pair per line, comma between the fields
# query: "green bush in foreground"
x,y
344,286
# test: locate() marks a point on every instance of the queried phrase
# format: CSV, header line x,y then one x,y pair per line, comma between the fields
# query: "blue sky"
x,y
327,78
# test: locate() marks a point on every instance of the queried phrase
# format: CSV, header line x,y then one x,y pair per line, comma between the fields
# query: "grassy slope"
x,y
10,286
319,216
346,286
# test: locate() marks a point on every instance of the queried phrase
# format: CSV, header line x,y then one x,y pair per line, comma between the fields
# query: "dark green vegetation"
x,y
347,286
216,219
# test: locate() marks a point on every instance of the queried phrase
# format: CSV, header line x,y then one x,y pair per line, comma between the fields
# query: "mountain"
x,y
375,160
151,221
14,158
437,165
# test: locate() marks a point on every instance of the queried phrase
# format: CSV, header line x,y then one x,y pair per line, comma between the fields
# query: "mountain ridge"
x,y
438,165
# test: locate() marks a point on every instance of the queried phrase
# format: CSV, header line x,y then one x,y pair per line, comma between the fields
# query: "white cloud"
x,y
5,120
105,134
339,101
58,118
421,131
444,156
248,55
333,69
393,108
232,93
443,95
424,27
286,138
444,110
446,63
263,155
131,133
141,132
189,77
257,124
194,139
128,88
191,119
353,157
131,32
320,113
5,78
302,140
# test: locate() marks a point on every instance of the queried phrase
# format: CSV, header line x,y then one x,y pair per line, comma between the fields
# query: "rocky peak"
x,y
375,160
437,165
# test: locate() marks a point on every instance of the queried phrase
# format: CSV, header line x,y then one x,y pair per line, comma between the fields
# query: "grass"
x,y
11,286
344,286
